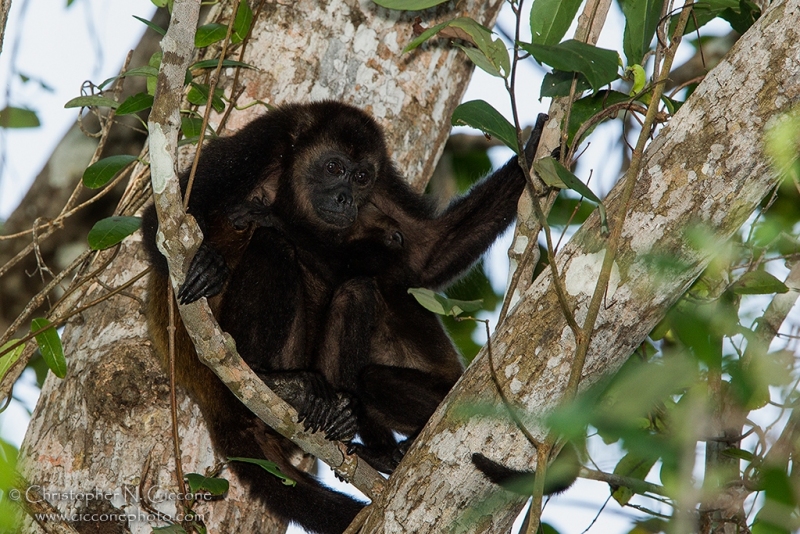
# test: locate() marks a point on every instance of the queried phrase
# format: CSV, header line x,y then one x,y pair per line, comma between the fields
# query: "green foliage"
x,y
92,101
50,346
158,29
135,104
201,483
487,53
641,19
103,171
479,114
442,305
9,356
554,174
550,20
409,5
242,22
209,34
13,117
10,511
270,467
741,14
111,230
198,95
598,65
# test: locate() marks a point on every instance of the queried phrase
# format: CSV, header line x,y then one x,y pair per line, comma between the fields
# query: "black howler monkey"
x,y
325,174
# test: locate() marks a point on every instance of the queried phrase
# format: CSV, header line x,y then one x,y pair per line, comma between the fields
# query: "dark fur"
x,y
561,473
311,304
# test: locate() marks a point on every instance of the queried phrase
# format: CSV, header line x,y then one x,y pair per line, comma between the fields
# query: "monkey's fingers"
x,y
206,276
343,428
343,423
315,416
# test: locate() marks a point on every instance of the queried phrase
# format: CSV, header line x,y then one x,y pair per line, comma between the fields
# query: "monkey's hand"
x,y
256,211
206,276
318,407
342,423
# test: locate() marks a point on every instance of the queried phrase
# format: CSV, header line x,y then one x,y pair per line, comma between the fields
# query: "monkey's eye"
x,y
334,167
361,178
397,237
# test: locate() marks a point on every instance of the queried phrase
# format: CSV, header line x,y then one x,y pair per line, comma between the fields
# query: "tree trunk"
x,y
105,427
706,168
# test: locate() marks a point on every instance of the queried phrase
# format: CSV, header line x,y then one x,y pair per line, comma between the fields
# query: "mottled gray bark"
x,y
707,168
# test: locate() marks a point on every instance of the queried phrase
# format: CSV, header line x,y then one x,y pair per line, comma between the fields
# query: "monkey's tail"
x,y
561,474
312,505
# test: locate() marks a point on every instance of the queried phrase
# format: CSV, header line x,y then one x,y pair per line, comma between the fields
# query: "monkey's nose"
x,y
344,199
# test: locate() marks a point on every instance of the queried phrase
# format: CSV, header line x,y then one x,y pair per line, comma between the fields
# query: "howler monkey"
x,y
325,174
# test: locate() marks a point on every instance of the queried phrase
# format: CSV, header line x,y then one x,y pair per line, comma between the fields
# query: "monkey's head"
x,y
337,154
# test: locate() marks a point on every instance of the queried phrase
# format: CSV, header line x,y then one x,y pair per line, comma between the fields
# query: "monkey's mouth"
x,y
338,218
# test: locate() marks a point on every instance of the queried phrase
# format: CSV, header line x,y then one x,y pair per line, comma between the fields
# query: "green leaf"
x,y
480,60
174,528
632,466
741,454
271,467
50,347
559,83
13,117
641,19
155,27
209,34
101,172
589,106
198,95
92,101
597,64
489,54
160,3
481,115
212,64
442,305
702,13
554,174
550,19
241,26
758,283
144,70
742,19
135,103
409,5
191,126
213,485
111,230
10,358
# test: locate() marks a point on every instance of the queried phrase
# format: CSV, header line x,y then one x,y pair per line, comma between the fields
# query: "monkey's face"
x,y
335,185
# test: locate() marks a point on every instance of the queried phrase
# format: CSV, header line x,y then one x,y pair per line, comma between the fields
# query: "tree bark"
x,y
105,427
706,168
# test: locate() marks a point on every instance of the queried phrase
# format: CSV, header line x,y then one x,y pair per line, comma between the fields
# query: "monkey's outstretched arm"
x,y
471,223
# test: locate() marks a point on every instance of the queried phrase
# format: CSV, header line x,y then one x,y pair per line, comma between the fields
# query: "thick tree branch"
x,y
706,168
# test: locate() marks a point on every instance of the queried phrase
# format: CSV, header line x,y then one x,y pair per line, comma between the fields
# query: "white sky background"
x,y
63,47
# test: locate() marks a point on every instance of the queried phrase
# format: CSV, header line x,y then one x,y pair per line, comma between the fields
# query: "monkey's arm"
x,y
460,235
208,270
